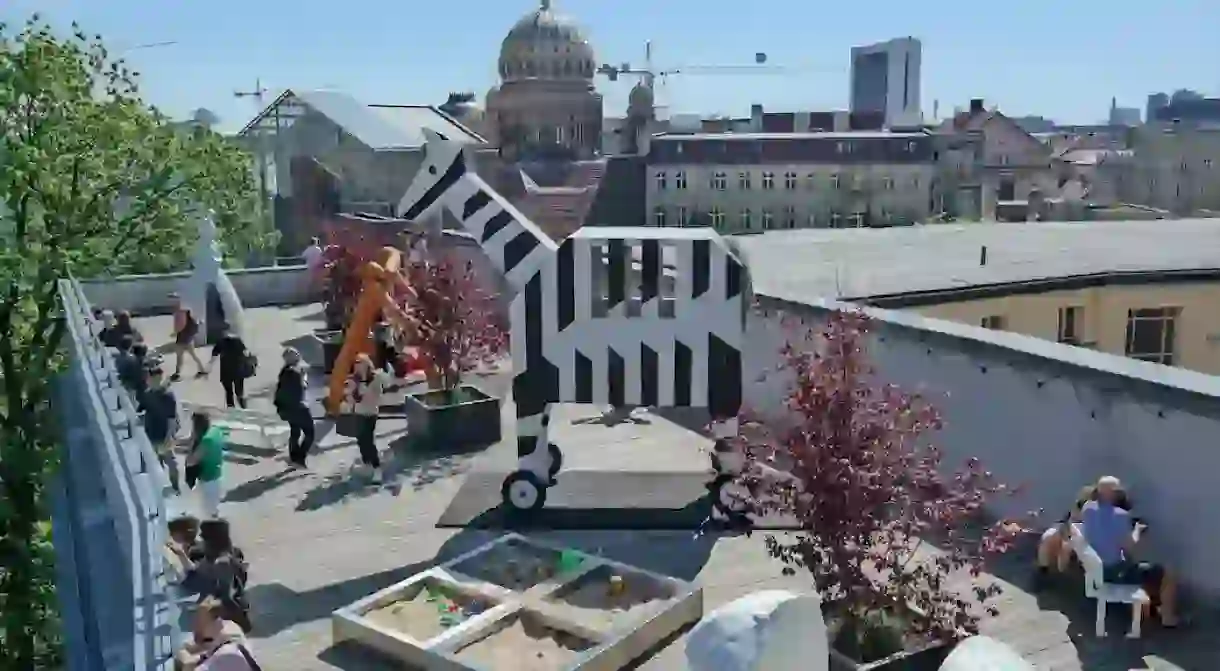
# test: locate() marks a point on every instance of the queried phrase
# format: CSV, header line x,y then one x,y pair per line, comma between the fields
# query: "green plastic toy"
x,y
569,560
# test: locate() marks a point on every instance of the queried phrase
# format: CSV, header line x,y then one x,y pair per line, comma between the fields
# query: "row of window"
x,y
719,181
1151,332
843,147
749,219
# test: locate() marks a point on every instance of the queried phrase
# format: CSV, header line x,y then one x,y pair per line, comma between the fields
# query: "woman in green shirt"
x,y
207,458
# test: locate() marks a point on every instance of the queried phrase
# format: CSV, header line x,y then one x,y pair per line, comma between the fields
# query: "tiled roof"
x,y
561,210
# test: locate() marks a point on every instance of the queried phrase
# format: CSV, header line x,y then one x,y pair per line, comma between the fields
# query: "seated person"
x,y
217,644
182,544
1113,533
1055,548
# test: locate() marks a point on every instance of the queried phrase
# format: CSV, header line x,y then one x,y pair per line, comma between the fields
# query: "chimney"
x,y
976,105
756,118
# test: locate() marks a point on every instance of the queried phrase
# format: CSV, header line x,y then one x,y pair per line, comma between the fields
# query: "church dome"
x,y
641,100
544,45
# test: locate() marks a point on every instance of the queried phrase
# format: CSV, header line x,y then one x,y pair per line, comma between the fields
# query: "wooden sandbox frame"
x,y
612,647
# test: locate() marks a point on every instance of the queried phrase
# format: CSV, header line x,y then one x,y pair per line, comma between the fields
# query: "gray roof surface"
x,y
801,265
383,127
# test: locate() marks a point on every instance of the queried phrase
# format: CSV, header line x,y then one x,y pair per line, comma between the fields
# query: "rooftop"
x,y
810,264
361,538
845,135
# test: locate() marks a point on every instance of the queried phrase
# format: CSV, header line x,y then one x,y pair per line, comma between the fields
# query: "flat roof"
x,y
678,136
896,267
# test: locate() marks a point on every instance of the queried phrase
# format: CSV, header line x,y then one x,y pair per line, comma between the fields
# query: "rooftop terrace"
x,y
1044,415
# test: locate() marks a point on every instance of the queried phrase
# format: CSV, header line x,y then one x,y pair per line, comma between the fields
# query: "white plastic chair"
x,y
1096,588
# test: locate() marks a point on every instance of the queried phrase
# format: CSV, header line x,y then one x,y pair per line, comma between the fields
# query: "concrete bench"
x,y
269,431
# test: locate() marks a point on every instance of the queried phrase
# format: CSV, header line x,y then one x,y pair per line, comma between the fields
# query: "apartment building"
x,y
752,182
1173,167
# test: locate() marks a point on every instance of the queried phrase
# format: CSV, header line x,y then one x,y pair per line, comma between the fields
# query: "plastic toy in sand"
x,y
569,560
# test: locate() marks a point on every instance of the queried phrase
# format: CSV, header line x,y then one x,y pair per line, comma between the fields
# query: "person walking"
x,y
161,423
207,458
186,328
234,367
291,406
362,396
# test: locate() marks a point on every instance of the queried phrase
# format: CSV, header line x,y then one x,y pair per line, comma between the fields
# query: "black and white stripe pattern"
x,y
591,321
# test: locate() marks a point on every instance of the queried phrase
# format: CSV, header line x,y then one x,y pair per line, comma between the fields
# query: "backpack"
x,y
249,364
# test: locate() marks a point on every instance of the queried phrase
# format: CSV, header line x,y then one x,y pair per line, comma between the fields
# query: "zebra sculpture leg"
x,y
538,460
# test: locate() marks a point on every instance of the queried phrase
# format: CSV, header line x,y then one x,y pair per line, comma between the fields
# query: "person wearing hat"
x,y
290,404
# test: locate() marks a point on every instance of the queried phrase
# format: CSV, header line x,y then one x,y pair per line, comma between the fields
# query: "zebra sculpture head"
x,y
747,277
443,165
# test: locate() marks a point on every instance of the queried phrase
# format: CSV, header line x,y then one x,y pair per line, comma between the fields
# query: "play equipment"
x,y
381,280
640,316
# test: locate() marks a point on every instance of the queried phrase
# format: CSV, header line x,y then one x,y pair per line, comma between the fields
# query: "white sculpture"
x,y
209,271
773,630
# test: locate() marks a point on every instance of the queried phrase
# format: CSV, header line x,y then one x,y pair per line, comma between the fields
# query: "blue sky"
x,y
1060,59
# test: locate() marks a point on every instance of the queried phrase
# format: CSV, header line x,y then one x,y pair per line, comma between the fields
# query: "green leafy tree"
x,y
92,182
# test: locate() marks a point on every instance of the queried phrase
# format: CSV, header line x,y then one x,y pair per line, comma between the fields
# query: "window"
x,y
716,215
840,147
743,181
658,217
912,146
834,219
1069,324
811,181
745,219
1152,333
661,181
1207,163
789,180
887,183
767,219
682,218
768,180
995,322
720,181
680,180
834,181
790,217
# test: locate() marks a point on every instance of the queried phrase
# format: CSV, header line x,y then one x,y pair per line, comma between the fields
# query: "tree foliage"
x,y
881,524
93,182
455,322
340,273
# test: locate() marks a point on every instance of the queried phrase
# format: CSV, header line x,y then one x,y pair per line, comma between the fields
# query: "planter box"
x,y
520,585
927,658
330,343
473,418
922,657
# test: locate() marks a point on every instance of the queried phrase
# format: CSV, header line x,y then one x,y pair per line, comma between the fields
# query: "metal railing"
x,y
141,631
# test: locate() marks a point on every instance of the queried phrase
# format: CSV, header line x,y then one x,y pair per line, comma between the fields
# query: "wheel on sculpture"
x,y
523,492
556,456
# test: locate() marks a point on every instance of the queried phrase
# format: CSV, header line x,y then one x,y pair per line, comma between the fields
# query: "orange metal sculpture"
x,y
381,279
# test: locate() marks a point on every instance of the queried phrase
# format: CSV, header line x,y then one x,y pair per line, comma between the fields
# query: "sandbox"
x,y
523,605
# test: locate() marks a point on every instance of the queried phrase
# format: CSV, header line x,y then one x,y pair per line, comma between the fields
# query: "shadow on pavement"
x,y
405,465
680,555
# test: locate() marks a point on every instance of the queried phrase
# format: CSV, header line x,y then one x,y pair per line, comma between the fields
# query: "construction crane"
x,y
649,74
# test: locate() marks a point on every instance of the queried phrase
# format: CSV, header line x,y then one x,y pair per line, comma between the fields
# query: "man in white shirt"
x,y
313,254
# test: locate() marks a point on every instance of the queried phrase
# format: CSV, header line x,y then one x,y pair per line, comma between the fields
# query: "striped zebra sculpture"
x,y
603,317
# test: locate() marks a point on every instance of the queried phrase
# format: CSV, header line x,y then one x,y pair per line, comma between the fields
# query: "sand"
x,y
524,645
417,617
593,603
514,566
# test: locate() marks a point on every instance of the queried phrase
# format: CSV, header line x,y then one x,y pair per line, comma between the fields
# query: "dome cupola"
x,y
545,45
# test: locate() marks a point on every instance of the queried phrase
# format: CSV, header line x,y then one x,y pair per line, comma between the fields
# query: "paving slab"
x,y
322,539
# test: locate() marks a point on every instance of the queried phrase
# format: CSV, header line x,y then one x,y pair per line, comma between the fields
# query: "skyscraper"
x,y
885,78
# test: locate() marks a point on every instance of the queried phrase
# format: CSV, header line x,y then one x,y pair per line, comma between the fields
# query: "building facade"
x,y
885,77
748,182
1173,167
